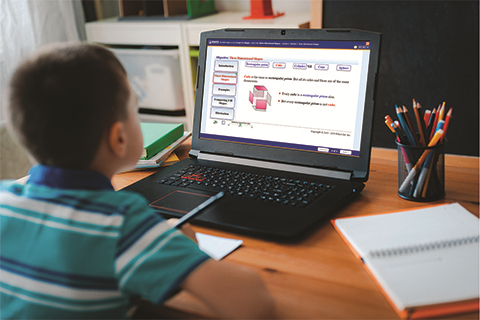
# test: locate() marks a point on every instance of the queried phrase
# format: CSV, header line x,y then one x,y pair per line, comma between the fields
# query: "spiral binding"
x,y
423,247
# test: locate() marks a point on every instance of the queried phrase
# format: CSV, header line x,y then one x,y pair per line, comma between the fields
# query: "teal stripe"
x,y
20,309
58,278
70,223
75,253
88,200
142,254
171,258
62,302
129,239
77,203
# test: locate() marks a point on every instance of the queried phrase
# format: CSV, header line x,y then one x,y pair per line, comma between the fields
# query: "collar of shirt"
x,y
62,178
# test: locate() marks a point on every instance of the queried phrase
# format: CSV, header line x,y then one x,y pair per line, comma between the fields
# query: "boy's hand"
x,y
231,291
186,229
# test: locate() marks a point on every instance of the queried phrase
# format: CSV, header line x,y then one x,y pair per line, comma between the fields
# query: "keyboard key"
x,y
274,189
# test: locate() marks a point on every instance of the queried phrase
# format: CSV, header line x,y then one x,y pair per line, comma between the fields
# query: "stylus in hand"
x,y
194,212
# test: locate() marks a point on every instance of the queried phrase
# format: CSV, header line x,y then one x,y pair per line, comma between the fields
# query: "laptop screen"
x,y
291,94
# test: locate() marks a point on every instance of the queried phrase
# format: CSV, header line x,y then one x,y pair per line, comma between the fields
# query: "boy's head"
x,y
64,99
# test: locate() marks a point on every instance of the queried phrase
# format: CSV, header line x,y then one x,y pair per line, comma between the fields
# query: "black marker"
x,y
192,213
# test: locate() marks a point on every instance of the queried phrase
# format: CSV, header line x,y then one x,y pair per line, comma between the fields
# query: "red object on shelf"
x,y
262,9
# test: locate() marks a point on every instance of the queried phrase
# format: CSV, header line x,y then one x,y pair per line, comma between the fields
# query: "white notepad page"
x,y
217,247
430,276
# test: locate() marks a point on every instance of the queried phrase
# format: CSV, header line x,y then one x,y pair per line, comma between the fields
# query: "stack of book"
x,y
159,142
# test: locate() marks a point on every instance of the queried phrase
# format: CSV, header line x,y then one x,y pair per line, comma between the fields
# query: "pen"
x,y
388,122
398,132
424,171
422,181
427,181
420,161
401,134
440,125
395,129
184,219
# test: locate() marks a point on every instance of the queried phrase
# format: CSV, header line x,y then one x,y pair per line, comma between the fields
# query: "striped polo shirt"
x,y
72,247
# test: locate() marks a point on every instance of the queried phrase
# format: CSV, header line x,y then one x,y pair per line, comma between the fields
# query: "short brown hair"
x,y
63,99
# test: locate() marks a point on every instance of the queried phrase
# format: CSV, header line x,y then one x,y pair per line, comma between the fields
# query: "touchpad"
x,y
179,202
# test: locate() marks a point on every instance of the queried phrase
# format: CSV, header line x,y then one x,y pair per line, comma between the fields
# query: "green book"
x,y
158,136
197,8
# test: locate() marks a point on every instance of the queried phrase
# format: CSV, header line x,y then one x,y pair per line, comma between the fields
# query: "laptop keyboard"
x,y
275,189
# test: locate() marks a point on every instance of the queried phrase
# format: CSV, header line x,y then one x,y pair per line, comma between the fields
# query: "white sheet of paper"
x,y
217,247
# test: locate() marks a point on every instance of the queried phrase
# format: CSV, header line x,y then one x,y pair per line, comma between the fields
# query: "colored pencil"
x,y
404,126
442,112
410,125
426,118
423,123
420,124
435,122
430,123
447,122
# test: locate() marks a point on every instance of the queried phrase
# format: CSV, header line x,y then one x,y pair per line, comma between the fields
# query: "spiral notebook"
x,y
426,261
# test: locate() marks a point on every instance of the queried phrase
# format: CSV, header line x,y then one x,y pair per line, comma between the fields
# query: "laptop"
x,y
282,124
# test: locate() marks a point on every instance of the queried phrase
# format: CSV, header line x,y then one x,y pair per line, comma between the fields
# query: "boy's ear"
x,y
117,139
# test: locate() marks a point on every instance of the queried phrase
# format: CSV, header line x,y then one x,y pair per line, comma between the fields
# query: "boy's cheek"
x,y
140,140
137,148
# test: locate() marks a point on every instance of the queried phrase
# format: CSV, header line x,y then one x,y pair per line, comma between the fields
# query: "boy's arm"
x,y
231,291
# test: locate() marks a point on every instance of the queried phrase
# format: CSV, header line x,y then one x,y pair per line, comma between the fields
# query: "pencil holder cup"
x,y
421,172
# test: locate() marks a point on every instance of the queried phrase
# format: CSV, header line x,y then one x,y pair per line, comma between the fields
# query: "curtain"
x,y
26,25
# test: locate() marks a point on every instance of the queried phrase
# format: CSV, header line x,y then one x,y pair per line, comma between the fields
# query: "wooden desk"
x,y
319,278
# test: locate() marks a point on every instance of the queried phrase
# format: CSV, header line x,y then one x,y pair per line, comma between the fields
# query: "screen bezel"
x,y
359,166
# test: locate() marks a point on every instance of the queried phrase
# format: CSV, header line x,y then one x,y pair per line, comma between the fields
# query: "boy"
x,y
72,247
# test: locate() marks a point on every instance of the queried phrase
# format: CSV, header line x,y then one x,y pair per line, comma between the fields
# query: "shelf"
x,y
113,31
235,20
162,119
183,34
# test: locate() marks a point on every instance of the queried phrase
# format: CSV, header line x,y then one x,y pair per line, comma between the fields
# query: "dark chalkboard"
x,y
429,52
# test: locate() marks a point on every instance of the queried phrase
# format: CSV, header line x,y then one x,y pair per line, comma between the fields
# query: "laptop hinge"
x,y
194,153
343,175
